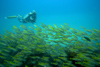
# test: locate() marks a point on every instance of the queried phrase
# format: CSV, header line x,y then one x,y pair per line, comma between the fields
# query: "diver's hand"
x,y
31,18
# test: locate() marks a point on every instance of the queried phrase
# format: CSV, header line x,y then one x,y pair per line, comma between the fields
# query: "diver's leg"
x,y
10,17
20,19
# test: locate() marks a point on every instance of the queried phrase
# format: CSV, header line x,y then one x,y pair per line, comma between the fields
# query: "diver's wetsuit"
x,y
31,17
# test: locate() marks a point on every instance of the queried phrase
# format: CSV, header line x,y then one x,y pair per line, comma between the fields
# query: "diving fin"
x,y
10,17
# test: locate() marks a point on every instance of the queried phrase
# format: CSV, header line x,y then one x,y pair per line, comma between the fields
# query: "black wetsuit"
x,y
28,18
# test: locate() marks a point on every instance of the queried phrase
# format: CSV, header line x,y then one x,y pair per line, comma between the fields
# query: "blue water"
x,y
76,13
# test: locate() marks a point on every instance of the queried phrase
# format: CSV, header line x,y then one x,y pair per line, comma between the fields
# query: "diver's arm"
x,y
31,18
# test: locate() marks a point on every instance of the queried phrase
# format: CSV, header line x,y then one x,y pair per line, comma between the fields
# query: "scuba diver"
x,y
30,17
